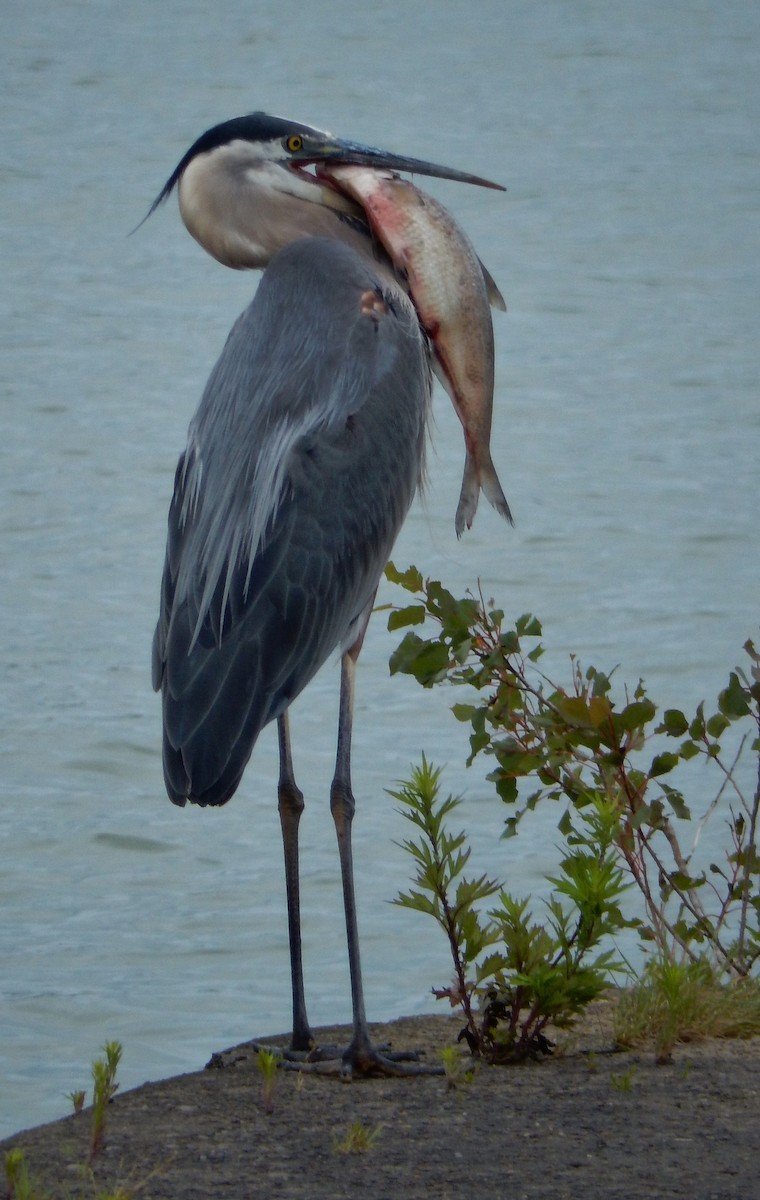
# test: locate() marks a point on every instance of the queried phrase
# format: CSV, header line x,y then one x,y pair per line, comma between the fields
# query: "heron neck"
x,y
243,218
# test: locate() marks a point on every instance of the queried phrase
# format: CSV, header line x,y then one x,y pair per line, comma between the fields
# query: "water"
x,y
627,433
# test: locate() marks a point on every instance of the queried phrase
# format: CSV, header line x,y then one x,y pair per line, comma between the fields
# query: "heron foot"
x,y
369,1060
354,1061
292,1057
360,1058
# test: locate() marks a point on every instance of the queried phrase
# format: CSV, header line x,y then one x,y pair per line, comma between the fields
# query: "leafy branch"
x,y
574,744
512,975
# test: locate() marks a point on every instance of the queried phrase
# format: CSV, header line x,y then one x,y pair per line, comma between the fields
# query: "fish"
x,y
453,293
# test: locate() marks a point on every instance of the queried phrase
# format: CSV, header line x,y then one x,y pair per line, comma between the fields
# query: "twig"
x,y
751,842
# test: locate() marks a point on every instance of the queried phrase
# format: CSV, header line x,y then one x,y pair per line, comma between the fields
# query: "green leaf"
x,y
401,617
460,650
717,725
674,723
684,882
574,709
416,901
411,579
662,763
636,714
565,825
510,827
456,616
516,761
426,661
688,750
677,802
733,701
464,712
697,726
528,626
405,654
479,740
600,683
509,643
506,788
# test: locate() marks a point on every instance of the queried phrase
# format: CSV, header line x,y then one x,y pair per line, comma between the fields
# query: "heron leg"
x,y
343,806
360,1055
304,1054
291,805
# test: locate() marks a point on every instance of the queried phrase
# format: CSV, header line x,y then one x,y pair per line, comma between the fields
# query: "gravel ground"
x,y
589,1122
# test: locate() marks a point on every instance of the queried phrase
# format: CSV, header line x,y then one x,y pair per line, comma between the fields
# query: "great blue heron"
x,y
301,463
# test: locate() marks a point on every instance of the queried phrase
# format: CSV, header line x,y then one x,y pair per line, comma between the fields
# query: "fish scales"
x,y
452,293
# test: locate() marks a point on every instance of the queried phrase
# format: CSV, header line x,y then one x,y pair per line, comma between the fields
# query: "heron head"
x,y
245,188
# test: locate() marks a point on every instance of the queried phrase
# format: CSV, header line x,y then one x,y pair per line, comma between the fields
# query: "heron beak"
x,y
355,154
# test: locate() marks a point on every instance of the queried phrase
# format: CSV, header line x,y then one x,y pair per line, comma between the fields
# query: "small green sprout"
x,y
104,1087
358,1139
622,1081
457,1069
268,1062
17,1176
77,1099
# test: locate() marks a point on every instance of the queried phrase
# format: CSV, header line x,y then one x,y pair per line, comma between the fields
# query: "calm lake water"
x,y
627,433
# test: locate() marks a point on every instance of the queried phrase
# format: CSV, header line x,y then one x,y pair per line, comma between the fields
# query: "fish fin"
x,y
495,298
489,481
468,497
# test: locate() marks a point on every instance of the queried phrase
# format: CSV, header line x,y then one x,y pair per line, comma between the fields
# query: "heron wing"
x,y
301,463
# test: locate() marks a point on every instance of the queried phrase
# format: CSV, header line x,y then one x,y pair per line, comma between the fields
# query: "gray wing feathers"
x,y
302,461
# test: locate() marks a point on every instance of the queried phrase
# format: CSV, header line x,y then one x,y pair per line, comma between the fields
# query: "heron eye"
x,y
294,143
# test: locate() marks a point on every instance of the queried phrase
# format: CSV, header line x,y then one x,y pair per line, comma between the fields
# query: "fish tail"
x,y
489,481
468,497
473,480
